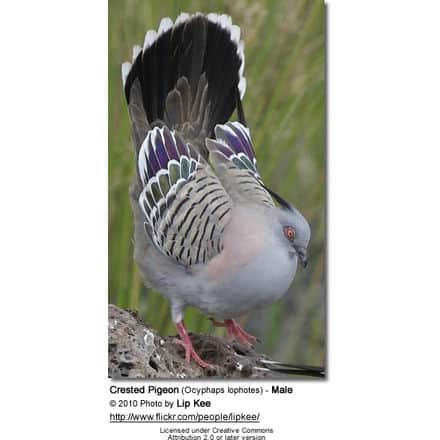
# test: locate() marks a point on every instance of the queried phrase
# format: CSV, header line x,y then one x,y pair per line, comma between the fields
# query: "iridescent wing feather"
x,y
233,157
185,205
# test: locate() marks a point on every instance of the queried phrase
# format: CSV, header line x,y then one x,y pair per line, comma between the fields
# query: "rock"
x,y
136,351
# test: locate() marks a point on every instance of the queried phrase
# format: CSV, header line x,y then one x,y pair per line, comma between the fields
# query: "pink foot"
x,y
185,341
235,331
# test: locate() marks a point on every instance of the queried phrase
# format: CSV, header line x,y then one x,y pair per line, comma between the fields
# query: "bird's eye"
x,y
289,232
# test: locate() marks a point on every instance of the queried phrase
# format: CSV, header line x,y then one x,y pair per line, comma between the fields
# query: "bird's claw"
x,y
190,353
235,331
186,343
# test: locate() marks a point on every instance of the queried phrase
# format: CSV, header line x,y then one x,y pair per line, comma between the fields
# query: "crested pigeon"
x,y
208,232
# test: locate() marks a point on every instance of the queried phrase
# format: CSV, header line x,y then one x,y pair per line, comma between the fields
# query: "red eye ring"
x,y
289,232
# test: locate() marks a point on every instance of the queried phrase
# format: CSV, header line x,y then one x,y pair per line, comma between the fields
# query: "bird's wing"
x,y
186,207
233,157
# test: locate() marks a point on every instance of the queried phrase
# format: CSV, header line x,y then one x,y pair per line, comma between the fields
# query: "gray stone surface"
x,y
137,352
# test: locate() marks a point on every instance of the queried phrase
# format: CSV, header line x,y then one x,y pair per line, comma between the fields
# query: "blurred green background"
x,y
285,110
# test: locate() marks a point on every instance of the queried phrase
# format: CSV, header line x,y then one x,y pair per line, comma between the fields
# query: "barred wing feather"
x,y
185,205
233,157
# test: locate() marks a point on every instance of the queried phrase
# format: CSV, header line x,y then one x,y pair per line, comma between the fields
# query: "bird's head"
x,y
292,229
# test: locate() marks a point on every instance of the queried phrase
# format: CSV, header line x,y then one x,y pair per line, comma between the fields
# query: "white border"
x,y
383,226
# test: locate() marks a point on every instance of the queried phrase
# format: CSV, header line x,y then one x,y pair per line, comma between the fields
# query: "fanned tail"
x,y
188,76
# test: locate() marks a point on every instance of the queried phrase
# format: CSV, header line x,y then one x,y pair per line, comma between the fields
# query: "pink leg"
x,y
185,341
235,331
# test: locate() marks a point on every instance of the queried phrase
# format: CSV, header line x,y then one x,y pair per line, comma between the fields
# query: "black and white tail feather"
x,y
296,370
187,76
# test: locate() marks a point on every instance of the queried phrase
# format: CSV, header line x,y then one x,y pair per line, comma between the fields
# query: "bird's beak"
x,y
302,255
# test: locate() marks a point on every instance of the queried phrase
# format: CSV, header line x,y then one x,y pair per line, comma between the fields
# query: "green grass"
x,y
285,110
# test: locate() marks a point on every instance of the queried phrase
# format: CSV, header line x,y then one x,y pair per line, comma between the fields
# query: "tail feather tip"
x,y
125,68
